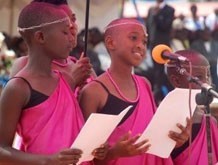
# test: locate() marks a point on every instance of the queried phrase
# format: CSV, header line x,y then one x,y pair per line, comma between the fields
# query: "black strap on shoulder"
x,y
24,80
102,85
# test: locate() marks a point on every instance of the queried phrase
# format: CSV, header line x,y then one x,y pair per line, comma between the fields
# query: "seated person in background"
x,y
198,147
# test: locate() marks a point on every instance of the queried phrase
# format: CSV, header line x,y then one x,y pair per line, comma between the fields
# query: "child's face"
x,y
131,43
202,73
58,39
74,27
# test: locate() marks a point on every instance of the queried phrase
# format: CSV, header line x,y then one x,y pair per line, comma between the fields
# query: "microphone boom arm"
x,y
209,89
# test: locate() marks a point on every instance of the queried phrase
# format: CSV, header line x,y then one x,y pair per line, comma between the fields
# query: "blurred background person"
x,y
159,24
179,35
208,47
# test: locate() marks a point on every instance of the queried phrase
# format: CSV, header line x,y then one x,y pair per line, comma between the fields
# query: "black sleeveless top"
x,y
35,96
115,105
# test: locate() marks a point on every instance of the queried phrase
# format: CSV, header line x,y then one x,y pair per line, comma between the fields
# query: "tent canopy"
x,y
101,11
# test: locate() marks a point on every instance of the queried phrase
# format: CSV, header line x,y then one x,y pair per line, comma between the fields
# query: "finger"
x,y
81,56
105,145
71,151
144,149
178,137
189,123
181,127
75,159
185,131
98,151
65,158
134,139
138,145
99,155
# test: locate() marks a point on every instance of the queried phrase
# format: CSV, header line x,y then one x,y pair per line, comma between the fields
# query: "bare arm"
x,y
15,95
92,98
18,93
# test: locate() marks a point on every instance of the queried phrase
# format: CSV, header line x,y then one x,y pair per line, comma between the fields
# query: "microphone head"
x,y
157,53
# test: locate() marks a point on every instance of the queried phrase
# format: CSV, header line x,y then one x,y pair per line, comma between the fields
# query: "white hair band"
x,y
125,23
44,24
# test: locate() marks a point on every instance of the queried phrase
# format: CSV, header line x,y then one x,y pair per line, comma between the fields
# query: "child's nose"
x,y
142,46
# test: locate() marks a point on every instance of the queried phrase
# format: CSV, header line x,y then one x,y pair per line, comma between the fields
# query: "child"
x,y
201,70
44,112
74,71
118,88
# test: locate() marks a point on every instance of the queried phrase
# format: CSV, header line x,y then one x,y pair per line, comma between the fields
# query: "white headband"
x,y
43,24
125,23
184,65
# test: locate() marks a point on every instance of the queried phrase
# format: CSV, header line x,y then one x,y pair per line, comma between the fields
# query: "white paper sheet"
x,y
172,110
95,132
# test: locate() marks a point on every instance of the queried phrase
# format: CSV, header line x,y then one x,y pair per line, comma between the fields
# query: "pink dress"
x,y
53,124
198,147
137,123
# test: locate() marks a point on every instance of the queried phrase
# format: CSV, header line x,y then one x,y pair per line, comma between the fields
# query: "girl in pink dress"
x,y
38,102
118,88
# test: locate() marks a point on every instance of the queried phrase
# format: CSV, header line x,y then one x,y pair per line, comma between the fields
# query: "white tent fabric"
x,y
101,12
9,10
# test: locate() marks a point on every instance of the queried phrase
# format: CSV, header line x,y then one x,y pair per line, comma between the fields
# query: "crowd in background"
x,y
196,32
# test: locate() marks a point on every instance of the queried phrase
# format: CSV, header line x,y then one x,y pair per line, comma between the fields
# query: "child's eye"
x,y
133,38
145,42
66,32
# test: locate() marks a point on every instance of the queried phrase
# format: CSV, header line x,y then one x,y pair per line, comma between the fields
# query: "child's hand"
x,y
182,137
101,152
66,157
81,70
126,146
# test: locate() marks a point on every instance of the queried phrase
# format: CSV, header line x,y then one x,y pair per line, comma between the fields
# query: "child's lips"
x,y
138,54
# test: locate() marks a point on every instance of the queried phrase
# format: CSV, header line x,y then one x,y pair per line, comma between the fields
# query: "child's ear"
x,y
109,42
39,36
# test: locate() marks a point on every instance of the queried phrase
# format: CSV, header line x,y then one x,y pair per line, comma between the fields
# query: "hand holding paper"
x,y
94,133
172,110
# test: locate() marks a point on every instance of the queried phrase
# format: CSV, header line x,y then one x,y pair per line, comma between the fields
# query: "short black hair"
x,y
54,2
37,13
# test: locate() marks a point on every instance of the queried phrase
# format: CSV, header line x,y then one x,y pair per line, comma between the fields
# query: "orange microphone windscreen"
x,y
158,51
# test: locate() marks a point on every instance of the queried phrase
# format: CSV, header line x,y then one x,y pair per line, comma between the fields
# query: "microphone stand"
x,y
204,98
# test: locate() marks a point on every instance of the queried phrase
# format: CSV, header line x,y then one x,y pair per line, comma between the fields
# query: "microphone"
x,y
196,80
163,54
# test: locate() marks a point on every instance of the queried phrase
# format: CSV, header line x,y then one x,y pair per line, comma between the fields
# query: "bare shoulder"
x,y
16,90
93,89
92,98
